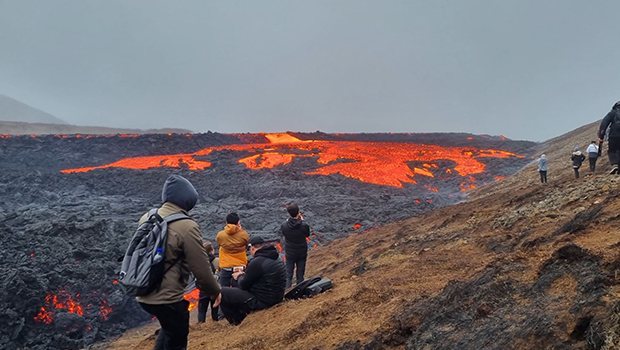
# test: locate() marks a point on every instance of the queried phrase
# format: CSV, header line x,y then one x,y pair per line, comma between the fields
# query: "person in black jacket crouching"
x,y
295,232
260,286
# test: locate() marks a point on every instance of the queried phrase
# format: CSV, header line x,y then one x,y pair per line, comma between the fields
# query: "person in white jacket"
x,y
542,168
592,155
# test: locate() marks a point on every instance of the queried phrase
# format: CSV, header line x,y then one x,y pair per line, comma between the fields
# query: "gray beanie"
x,y
178,190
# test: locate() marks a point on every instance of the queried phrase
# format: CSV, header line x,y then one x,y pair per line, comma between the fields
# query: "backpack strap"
x,y
153,213
174,262
175,217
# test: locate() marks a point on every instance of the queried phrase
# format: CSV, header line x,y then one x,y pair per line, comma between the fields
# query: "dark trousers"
x,y
301,270
174,321
576,169
614,150
226,277
237,304
543,176
203,305
592,163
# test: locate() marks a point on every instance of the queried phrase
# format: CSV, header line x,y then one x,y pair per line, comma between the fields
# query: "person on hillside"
x,y
295,231
612,121
205,299
542,168
592,151
260,286
577,157
233,241
184,254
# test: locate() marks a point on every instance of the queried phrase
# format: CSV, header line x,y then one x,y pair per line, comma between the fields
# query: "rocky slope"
x,y
519,266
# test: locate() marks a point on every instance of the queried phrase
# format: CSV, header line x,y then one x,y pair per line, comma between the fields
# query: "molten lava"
x,y
266,160
381,163
192,297
104,310
63,300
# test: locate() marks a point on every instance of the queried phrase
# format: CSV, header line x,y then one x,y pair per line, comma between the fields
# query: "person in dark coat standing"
x,y
184,255
260,286
612,121
577,157
295,231
205,299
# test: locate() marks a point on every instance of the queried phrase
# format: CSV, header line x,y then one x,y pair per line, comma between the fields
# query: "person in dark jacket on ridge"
x,y
612,121
577,157
184,254
204,298
260,286
295,232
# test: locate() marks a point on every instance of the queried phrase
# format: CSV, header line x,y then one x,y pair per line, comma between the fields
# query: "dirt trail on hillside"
x,y
521,265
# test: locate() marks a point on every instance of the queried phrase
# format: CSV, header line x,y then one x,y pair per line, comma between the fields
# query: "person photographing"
x,y
295,232
259,287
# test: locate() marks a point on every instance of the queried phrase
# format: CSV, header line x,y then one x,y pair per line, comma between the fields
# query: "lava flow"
x,y
192,297
381,163
63,300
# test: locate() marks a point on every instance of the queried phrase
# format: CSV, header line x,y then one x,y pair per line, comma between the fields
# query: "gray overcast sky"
x,y
528,69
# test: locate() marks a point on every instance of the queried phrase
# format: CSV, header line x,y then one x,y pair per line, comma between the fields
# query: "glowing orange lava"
x,y
430,188
104,310
282,138
63,300
193,297
381,163
266,160
356,226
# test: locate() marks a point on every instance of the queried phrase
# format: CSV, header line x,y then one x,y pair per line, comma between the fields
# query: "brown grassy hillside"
x,y
519,266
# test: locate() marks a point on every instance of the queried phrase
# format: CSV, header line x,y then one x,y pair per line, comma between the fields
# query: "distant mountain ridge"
x,y
17,128
18,118
16,111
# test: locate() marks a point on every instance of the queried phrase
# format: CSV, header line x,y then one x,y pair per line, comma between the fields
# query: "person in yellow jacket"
x,y
233,242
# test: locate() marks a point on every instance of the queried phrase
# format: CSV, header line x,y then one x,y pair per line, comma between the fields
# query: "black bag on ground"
x,y
142,269
319,287
309,287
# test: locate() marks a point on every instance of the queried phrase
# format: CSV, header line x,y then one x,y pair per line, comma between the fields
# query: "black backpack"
x,y
142,269
309,287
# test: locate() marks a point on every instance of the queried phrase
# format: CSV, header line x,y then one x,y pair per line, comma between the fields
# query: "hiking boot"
x,y
614,170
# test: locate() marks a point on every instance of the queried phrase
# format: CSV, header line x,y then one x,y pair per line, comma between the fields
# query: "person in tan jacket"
x,y
184,254
233,242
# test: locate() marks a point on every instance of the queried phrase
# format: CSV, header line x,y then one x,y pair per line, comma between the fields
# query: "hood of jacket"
x,y
231,229
294,222
179,191
268,251
577,153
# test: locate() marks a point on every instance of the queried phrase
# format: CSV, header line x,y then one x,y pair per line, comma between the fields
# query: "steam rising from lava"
x,y
381,163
